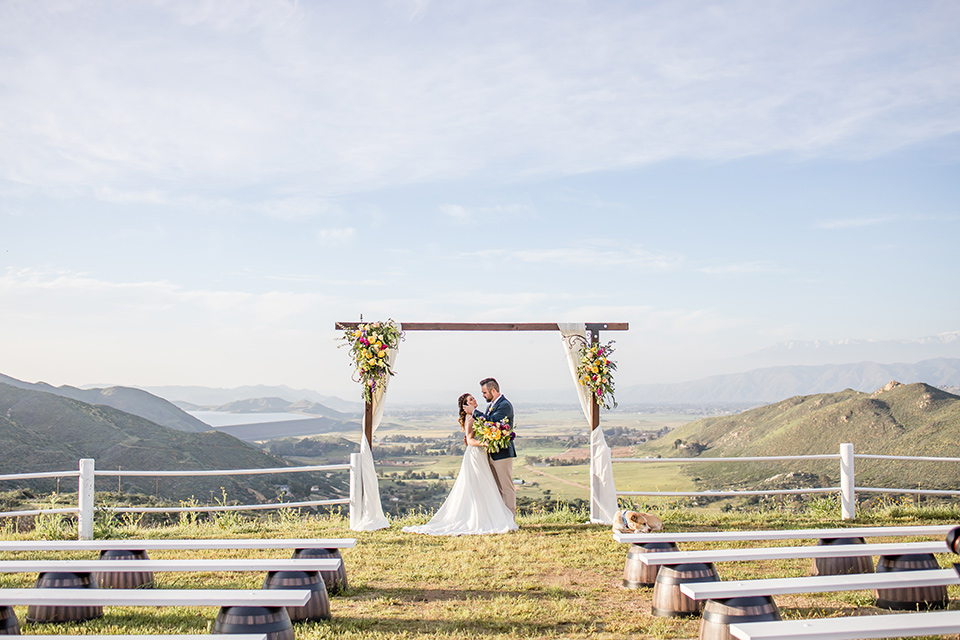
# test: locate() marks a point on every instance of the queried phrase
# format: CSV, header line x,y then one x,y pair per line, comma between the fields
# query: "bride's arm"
x,y
471,439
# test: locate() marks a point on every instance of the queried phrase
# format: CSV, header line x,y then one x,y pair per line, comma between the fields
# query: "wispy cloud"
x,y
336,237
456,212
855,223
587,256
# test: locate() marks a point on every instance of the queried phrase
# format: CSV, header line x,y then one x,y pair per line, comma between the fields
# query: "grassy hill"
x,y
135,401
45,432
913,419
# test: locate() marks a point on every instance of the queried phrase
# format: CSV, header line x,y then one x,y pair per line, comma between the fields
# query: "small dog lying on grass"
x,y
636,522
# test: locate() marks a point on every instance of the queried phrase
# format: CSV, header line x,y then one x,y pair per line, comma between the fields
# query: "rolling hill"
x,y
135,401
42,431
898,419
279,405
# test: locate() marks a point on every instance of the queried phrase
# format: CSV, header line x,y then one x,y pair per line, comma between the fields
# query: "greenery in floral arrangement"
x,y
595,372
369,345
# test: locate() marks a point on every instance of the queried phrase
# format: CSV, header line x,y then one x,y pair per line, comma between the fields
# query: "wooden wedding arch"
x,y
593,333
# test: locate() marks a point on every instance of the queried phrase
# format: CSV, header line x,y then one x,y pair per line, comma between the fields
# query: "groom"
x,y
501,462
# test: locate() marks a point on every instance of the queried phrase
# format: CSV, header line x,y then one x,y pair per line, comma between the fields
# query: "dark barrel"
x,y
953,539
914,598
123,579
58,580
317,607
718,615
9,625
841,566
336,581
636,574
668,600
272,621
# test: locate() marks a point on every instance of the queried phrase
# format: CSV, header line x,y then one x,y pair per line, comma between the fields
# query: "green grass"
x,y
555,577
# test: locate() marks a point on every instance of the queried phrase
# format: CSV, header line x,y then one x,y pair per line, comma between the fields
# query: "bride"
x,y
474,505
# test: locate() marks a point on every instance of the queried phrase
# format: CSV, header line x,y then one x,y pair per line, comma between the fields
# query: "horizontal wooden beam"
x,y
491,326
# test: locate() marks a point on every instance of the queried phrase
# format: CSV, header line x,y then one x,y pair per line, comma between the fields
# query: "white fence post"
x,y
85,491
848,495
355,486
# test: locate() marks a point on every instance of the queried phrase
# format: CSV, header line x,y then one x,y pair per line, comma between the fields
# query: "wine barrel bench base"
x,y
912,598
668,600
719,614
636,574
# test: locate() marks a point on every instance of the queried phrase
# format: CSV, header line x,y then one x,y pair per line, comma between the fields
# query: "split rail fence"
x,y
87,473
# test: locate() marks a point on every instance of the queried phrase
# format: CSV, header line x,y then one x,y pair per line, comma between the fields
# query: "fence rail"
x,y
87,473
847,488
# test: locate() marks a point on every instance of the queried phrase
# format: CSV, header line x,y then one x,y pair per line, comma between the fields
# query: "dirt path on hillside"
x,y
558,479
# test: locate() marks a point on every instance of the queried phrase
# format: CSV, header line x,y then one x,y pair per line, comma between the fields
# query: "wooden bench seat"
x,y
195,565
809,551
282,573
241,610
930,623
179,544
160,636
782,534
819,584
155,597
335,580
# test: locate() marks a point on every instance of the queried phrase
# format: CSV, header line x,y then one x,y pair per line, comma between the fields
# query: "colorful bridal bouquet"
x,y
369,345
595,372
495,436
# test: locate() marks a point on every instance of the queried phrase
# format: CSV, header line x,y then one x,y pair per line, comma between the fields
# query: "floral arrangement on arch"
x,y
369,345
495,436
595,372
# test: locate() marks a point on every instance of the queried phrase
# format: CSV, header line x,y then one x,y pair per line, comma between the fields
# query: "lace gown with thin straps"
x,y
474,506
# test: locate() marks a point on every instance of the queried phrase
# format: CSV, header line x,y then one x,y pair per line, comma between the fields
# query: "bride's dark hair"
x,y
463,414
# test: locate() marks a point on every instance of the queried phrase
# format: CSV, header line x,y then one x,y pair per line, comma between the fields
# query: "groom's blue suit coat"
x,y
498,412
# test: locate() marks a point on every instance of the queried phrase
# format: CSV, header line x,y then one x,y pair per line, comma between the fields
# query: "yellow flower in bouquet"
x,y
495,436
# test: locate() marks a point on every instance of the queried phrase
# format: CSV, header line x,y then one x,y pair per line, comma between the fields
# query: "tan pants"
x,y
503,474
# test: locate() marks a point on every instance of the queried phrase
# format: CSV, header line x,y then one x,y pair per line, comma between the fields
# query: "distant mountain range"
x,y
135,401
776,383
821,352
215,396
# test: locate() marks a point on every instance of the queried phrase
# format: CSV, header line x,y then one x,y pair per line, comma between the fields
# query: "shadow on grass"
x,y
433,595
429,627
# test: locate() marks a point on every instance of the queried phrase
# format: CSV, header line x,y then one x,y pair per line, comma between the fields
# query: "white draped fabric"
x,y
370,516
603,492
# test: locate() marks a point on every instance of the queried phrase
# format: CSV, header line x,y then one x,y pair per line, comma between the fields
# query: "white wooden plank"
x,y
786,534
819,584
218,564
156,597
162,636
779,553
143,545
928,623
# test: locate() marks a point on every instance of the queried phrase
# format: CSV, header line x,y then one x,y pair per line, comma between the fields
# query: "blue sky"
x,y
193,192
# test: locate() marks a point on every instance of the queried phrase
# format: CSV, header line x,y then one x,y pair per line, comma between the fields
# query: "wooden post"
x,y
594,405
368,423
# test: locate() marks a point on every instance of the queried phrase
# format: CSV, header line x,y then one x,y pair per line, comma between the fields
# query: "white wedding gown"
x,y
474,506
